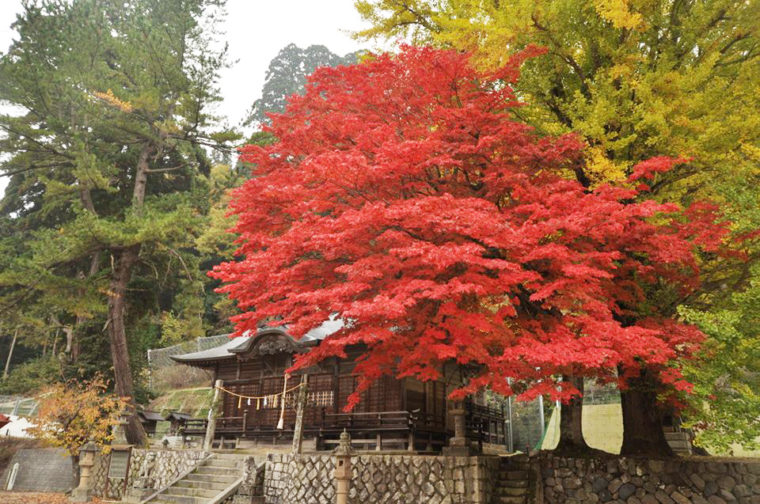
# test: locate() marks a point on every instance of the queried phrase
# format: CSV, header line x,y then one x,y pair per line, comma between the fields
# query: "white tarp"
x,y
16,428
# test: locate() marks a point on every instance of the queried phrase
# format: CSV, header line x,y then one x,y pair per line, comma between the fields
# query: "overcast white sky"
x,y
256,31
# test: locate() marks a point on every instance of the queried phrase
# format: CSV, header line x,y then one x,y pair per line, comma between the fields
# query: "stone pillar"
x,y
211,424
342,472
86,462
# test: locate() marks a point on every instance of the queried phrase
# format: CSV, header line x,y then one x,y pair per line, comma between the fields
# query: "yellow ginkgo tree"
x,y
636,79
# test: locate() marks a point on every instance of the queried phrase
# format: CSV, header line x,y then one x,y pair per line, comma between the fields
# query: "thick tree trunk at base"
x,y
117,306
642,419
570,424
118,335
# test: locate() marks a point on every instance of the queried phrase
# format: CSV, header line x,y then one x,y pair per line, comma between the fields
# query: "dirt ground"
x,y
36,498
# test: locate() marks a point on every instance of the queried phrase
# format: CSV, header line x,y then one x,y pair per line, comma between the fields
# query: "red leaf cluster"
x,y
404,197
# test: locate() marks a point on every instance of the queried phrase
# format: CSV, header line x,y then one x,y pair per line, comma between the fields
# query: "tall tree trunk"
x,y
570,425
117,307
642,419
10,354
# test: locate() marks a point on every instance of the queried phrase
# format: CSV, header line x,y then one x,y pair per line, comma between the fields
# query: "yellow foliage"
x,y
113,101
73,413
618,13
636,78
600,169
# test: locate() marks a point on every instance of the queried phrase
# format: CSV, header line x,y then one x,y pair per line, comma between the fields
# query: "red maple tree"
x,y
403,197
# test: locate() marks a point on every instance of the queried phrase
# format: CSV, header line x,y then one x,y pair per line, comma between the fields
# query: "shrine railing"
x,y
486,423
327,422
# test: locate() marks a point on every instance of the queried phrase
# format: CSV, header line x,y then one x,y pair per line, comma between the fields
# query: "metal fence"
x,y
17,405
160,358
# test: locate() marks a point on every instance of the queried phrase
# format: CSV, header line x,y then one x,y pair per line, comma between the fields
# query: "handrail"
x,y
175,480
369,413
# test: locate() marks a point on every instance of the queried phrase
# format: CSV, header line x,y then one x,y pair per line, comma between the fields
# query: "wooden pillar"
x,y
300,407
211,424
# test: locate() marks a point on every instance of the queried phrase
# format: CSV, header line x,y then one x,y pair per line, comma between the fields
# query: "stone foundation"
x,y
641,481
413,479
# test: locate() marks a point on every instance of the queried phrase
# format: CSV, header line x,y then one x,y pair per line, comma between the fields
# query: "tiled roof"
x,y
242,343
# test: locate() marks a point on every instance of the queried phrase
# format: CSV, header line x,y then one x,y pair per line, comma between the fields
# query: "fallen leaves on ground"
x,y
37,498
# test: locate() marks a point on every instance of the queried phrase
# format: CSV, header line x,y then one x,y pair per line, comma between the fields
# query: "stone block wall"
x,y
157,468
413,479
161,466
640,481
293,479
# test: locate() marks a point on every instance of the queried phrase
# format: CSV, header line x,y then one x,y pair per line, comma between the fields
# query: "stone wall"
x,y
160,467
307,479
149,469
40,470
640,481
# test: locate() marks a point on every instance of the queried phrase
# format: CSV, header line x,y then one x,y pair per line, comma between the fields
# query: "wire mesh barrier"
x,y
161,357
527,424
164,373
530,420
595,393
18,406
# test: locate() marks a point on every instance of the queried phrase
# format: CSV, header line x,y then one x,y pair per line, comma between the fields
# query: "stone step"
x,y
514,475
221,471
512,491
505,469
217,484
192,492
211,478
167,498
679,445
224,462
521,483
512,500
232,455
515,459
676,435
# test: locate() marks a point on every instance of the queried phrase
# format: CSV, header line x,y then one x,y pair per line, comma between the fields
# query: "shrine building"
x,y
259,403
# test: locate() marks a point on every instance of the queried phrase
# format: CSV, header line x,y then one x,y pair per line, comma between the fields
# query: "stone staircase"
x,y
513,484
214,480
679,441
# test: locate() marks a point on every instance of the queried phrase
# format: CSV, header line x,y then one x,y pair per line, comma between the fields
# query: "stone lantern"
x,y
342,473
458,445
86,462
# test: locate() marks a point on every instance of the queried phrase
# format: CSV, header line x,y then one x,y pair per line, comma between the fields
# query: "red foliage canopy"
x,y
403,197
